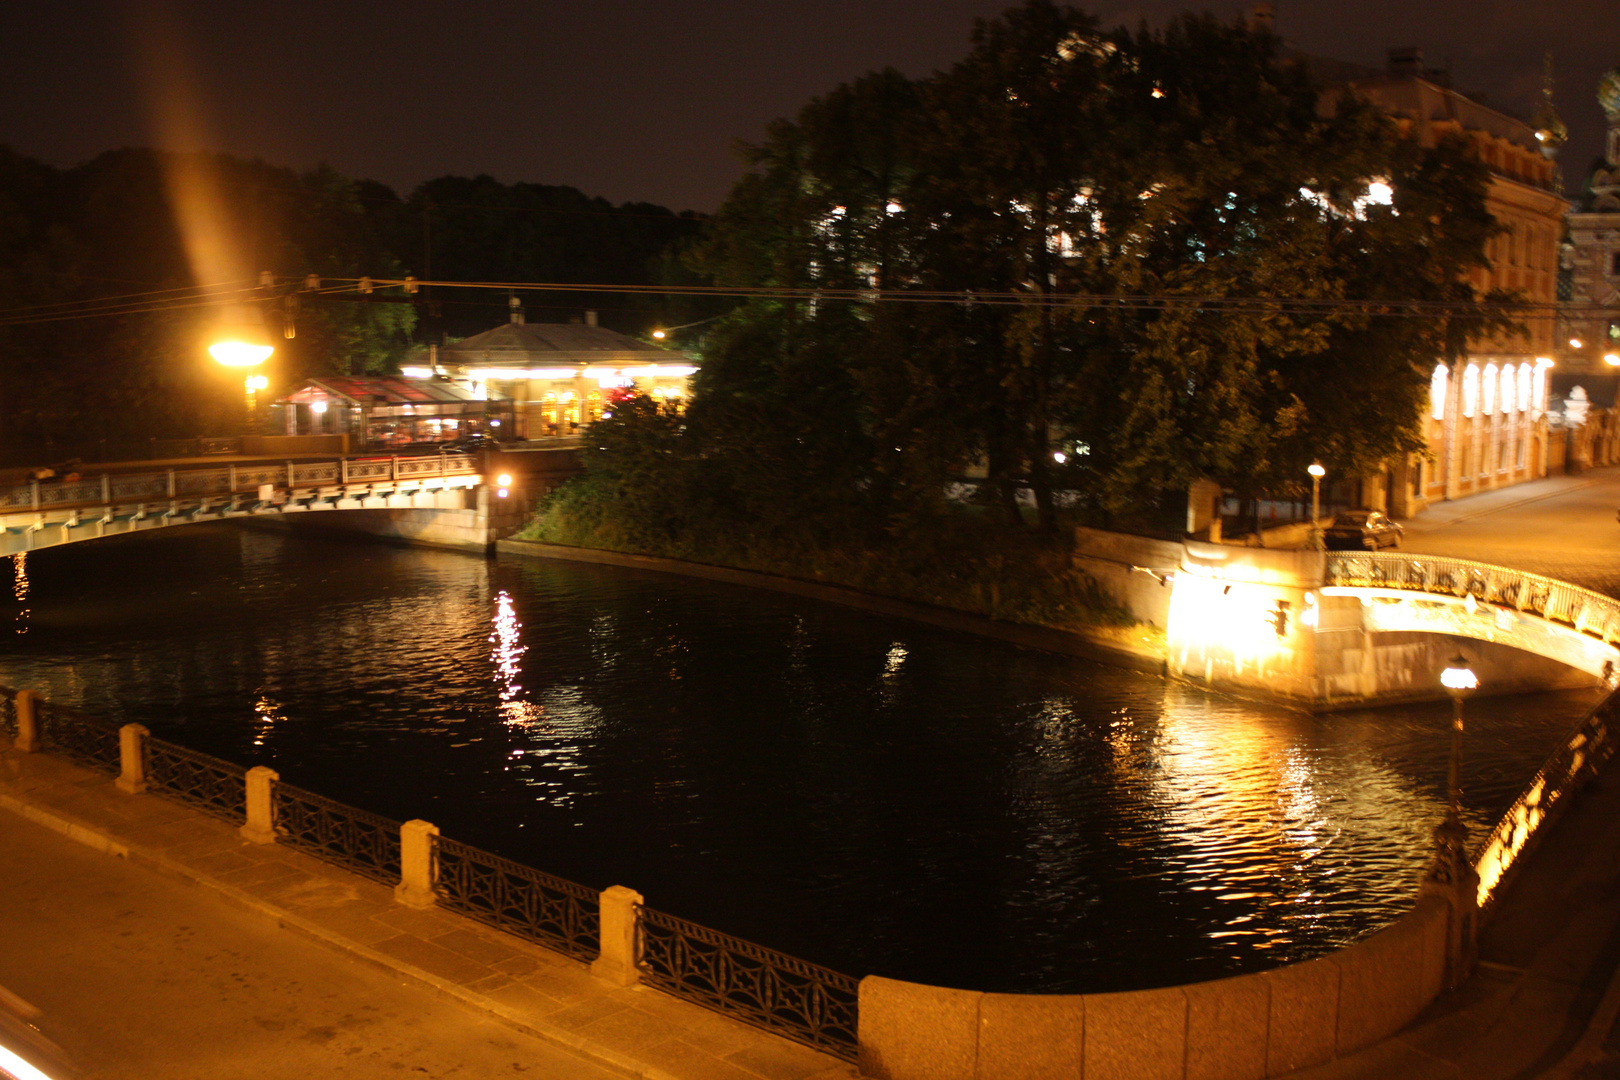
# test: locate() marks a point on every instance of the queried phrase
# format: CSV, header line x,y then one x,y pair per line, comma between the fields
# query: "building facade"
x,y
1486,423
558,376
1590,329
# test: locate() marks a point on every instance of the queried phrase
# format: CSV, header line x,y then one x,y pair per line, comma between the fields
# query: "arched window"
x,y
1437,392
1470,389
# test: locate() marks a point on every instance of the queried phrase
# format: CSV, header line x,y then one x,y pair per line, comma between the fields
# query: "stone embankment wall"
x,y
1241,1028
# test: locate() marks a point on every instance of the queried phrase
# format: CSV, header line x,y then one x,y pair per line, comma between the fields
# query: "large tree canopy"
x,y
1103,192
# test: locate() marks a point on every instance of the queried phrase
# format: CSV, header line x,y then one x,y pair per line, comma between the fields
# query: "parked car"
x,y
1368,529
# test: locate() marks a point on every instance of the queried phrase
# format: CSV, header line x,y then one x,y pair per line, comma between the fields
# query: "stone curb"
x,y
92,837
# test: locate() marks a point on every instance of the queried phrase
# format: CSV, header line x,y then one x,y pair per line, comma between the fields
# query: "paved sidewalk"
x,y
594,1029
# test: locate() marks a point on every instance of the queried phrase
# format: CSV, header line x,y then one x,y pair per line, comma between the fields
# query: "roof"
x,y
382,390
525,344
1600,387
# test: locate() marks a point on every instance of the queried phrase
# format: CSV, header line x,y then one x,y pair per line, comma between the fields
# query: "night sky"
x,y
626,99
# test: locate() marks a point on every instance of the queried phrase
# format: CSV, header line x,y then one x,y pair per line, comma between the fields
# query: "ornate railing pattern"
x,y
1569,767
783,994
190,483
8,710
90,742
365,843
215,787
1588,612
544,909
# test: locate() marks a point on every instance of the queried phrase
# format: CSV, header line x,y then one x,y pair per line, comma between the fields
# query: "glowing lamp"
x,y
503,480
660,335
501,493
1458,678
1612,359
258,382
317,406
1575,342
233,353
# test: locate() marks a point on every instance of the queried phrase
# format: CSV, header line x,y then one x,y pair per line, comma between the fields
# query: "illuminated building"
x,y
559,376
1592,256
1486,422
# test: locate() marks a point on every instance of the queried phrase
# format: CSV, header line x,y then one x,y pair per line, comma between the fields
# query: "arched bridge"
x,y
1439,595
47,513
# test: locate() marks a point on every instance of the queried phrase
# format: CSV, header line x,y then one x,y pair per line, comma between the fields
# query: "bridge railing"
x,y
228,480
1583,610
793,998
809,1003
1569,767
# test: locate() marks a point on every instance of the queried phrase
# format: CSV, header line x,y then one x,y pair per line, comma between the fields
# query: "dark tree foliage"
x,y
477,229
109,228
1079,171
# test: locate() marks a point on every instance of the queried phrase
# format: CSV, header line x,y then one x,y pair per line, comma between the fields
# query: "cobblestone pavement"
x,y
1563,527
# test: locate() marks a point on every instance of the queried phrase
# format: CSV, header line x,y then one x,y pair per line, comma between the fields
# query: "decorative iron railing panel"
x,y
780,993
205,783
8,710
365,843
530,904
142,487
1565,771
1590,613
90,742
202,482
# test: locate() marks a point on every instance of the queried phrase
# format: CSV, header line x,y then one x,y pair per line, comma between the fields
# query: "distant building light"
x,y
416,372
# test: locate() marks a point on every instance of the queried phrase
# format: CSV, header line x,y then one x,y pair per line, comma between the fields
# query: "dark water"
x,y
874,795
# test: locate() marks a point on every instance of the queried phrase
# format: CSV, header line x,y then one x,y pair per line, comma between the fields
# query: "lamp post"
x,y
1451,874
1317,472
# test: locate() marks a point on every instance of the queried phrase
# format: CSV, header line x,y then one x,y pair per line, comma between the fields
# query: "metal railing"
x,y
90,742
547,910
8,710
229,480
1565,771
1590,613
357,840
783,994
217,788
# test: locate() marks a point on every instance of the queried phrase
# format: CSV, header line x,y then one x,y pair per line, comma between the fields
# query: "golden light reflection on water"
x,y
266,715
19,589
1223,785
506,655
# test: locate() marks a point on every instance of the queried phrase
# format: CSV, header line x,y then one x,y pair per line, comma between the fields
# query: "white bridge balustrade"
x,y
48,513
1330,630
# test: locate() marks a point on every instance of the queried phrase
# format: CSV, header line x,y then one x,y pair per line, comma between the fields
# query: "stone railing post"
x,y
261,823
132,758
620,932
27,722
417,867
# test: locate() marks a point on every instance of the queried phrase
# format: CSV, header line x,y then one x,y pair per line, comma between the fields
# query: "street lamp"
x,y
1317,472
241,342
1451,875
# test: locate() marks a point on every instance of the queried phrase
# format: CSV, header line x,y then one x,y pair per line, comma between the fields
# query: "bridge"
x,y
49,513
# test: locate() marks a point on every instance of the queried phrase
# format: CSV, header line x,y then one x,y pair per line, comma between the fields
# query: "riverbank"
x,y
1138,647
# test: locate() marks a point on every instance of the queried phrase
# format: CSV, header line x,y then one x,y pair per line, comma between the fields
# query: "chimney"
x,y
590,318
516,307
1406,61
1261,17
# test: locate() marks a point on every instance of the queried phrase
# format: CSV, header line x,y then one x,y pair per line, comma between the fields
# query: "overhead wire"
x,y
235,292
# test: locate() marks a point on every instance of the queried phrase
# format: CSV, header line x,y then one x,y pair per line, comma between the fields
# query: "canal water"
x,y
871,794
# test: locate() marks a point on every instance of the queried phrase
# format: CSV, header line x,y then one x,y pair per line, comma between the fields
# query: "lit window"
x,y
1526,386
1470,389
1437,392
1490,389
1507,388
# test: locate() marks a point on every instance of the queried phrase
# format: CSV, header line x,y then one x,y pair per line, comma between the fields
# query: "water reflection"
x,y
881,797
19,589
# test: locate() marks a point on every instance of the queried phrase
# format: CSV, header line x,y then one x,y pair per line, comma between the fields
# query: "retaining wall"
x,y
1243,1028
